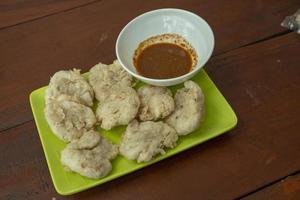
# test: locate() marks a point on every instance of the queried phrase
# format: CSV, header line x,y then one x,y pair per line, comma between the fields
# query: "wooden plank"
x,y
14,12
30,53
23,170
289,188
262,84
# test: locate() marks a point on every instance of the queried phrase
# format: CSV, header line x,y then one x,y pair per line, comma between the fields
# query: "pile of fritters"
x,y
69,98
155,119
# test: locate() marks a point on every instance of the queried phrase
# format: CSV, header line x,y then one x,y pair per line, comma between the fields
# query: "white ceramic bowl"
x,y
189,25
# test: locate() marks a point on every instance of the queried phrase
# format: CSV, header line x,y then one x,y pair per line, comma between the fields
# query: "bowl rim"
x,y
168,79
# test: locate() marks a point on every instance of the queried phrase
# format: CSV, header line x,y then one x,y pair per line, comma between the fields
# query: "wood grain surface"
x,y
23,170
288,188
31,52
13,12
261,82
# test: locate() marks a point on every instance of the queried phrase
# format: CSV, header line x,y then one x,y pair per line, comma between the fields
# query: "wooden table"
x,y
255,65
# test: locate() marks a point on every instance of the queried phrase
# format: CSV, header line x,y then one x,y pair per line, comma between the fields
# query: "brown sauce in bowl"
x,y
164,56
163,60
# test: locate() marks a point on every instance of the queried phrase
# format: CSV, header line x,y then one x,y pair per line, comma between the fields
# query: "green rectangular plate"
x,y
219,118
